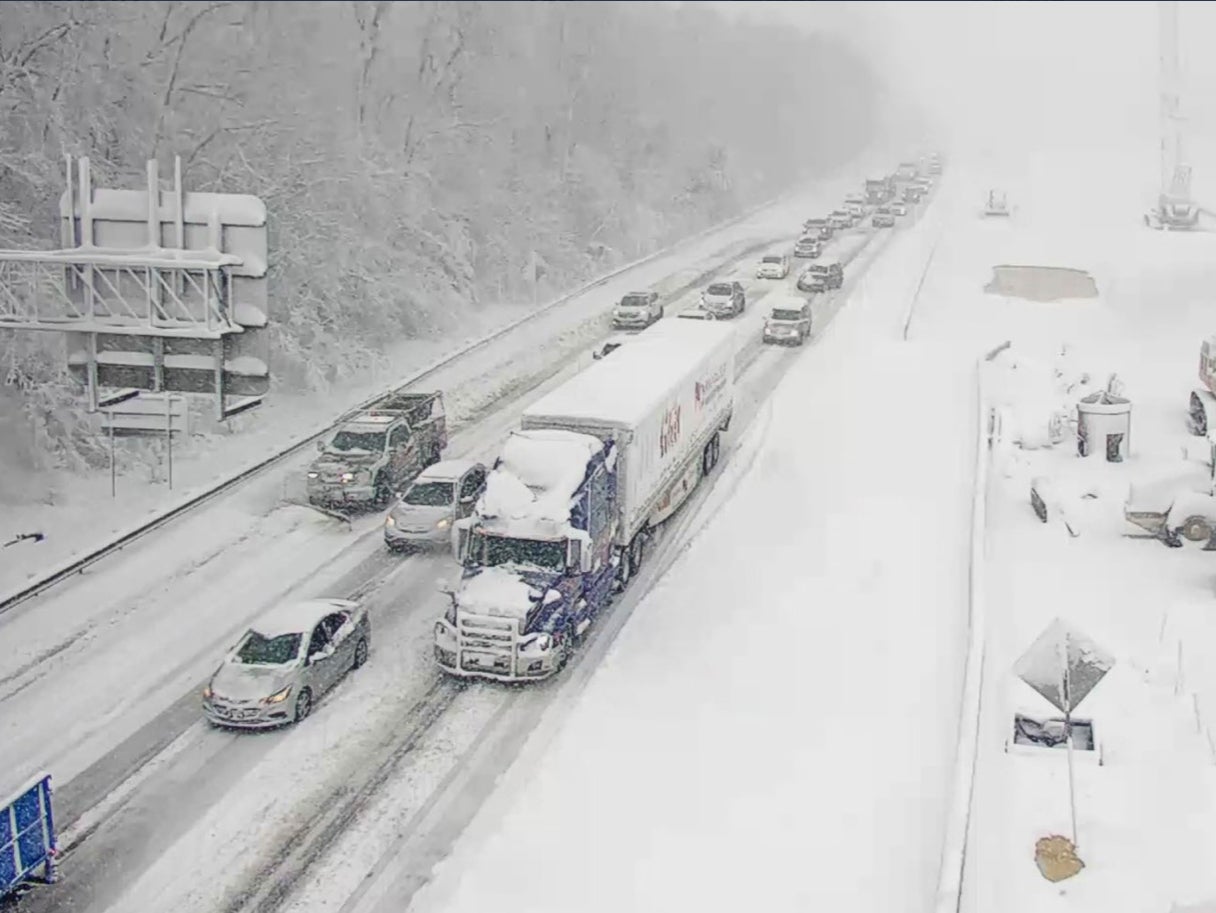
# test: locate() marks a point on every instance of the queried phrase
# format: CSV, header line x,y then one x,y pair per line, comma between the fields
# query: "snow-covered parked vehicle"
x,y
286,661
576,494
378,451
637,310
441,495
1174,508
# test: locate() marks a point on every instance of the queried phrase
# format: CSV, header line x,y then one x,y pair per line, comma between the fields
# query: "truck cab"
x,y
536,558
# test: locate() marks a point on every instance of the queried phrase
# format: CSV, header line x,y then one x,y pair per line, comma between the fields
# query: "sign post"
x,y
1064,666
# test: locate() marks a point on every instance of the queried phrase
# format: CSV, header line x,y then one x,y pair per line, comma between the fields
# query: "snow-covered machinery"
x,y
1202,410
997,204
576,493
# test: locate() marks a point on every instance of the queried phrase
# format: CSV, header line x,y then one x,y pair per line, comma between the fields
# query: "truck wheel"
x,y
1198,416
1196,529
383,492
624,568
635,553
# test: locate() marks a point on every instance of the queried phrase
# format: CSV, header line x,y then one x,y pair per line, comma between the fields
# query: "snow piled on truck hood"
x,y
496,591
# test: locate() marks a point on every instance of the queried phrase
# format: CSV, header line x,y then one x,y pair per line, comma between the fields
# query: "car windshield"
x,y
361,441
718,290
786,314
429,494
492,551
256,650
633,301
771,260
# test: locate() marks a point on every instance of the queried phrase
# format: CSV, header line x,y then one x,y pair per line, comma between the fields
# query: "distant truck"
x,y
879,191
378,451
576,494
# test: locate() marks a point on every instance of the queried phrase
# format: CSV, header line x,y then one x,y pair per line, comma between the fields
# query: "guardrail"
x,y
949,895
197,498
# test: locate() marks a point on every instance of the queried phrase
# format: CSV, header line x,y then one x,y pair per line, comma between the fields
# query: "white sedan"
x,y
773,267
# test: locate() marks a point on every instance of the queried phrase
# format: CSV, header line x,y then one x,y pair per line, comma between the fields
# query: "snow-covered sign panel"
x,y
1063,665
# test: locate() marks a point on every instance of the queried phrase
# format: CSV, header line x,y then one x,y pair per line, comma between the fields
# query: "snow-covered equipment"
x,y
27,835
576,494
1104,426
1202,408
997,204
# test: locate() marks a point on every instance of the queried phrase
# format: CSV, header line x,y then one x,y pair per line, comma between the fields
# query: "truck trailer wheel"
x,y
1198,415
636,554
709,457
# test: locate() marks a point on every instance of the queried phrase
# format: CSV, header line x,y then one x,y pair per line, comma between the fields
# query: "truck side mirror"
x,y
574,555
320,446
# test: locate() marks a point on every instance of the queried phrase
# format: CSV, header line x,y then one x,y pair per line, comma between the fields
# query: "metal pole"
x,y
113,479
169,434
1072,787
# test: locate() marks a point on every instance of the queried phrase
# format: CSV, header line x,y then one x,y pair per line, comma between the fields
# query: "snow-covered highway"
x,y
166,813
793,679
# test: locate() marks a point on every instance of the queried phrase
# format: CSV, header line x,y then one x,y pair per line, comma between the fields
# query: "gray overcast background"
x,y
1022,74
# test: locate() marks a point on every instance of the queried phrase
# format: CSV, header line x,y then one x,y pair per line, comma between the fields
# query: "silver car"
x,y
442,494
285,662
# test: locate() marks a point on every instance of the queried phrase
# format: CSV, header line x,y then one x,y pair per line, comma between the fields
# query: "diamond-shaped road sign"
x,y
1063,665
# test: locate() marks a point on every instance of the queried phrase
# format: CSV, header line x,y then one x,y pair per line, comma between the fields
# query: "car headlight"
x,y
450,615
443,523
279,696
543,642
314,475
347,477
441,630
389,521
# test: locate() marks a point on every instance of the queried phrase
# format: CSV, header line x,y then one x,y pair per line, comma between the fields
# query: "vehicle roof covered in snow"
x,y
445,471
297,617
621,390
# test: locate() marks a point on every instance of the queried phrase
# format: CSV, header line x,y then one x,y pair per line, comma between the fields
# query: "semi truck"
x,y
577,493
879,191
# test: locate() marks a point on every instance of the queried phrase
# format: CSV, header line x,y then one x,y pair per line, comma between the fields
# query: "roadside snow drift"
x,y
774,728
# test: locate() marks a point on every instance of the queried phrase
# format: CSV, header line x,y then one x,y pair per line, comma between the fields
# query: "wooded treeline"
x,y
412,155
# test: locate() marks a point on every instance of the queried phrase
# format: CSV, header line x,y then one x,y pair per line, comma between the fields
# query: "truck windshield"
x,y
491,551
429,494
351,441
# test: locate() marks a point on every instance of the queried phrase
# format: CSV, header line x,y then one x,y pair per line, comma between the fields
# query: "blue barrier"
x,y
27,835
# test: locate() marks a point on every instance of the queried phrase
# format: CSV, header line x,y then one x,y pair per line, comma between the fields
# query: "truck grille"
x,y
487,644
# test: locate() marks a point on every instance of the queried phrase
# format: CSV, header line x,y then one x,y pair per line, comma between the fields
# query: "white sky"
x,y
1052,73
